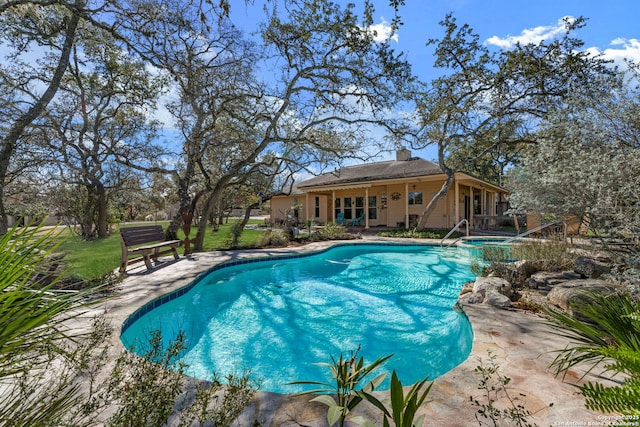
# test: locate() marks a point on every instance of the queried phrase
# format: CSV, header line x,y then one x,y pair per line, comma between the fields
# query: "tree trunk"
x,y
186,208
450,173
88,214
202,225
17,129
422,223
102,226
247,215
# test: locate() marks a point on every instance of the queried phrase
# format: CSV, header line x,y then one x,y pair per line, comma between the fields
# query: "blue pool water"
x,y
280,317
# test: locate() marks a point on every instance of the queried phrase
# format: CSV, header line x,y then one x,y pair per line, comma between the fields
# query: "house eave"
x,y
360,183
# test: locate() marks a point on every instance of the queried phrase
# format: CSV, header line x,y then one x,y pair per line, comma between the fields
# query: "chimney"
x,y
402,154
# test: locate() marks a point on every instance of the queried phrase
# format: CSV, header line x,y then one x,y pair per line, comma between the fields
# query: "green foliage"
x,y
235,232
228,401
347,374
333,231
33,336
540,255
147,387
274,238
609,337
414,234
581,151
403,408
494,388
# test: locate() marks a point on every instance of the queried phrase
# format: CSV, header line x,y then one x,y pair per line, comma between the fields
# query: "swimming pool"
x,y
279,317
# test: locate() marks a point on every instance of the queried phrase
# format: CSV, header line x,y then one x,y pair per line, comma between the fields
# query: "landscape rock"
x,y
496,299
590,267
571,275
574,291
544,279
466,288
498,284
471,298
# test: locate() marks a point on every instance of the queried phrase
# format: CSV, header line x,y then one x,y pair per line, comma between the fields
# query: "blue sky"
x,y
611,27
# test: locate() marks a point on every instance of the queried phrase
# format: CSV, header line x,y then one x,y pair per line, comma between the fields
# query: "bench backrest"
x,y
132,236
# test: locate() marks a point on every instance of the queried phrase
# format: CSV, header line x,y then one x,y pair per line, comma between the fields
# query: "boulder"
x,y
590,267
544,279
498,284
571,275
523,268
471,298
496,299
572,292
466,288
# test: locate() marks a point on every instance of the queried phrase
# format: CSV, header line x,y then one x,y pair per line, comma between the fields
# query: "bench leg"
x,y
147,262
123,262
175,253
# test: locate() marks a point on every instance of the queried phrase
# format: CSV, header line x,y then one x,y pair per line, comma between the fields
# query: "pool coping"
x,y
520,340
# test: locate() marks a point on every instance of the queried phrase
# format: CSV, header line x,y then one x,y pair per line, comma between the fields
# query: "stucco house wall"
x,y
391,193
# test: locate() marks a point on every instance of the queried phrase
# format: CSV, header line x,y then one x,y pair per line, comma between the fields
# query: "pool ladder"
x,y
463,221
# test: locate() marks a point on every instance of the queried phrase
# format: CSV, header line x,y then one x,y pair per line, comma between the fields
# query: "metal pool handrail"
x,y
464,220
526,233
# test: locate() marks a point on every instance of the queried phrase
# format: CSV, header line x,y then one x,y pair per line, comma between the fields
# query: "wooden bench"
x,y
145,240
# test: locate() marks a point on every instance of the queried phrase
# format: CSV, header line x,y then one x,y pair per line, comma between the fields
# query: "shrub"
x,y
332,231
151,390
423,234
494,388
533,256
549,255
274,237
147,387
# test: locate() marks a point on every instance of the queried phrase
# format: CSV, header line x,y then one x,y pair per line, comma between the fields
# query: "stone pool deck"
x,y
520,341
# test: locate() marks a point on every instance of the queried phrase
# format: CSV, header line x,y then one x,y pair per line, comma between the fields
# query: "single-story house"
x,y
393,194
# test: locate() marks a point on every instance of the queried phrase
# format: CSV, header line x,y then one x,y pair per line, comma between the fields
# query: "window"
x,y
317,206
337,208
373,209
348,213
359,207
415,198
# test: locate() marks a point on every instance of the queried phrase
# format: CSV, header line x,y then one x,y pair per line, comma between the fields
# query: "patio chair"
x,y
358,220
340,218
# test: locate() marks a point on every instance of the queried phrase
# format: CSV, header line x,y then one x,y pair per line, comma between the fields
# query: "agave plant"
x,y
608,337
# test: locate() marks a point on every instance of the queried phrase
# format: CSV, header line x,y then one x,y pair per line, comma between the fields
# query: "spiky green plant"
x,y
33,334
347,374
607,337
400,408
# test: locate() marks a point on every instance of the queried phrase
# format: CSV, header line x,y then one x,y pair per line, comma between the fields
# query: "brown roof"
x,y
413,167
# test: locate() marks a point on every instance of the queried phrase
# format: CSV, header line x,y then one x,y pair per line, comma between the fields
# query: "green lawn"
x,y
94,259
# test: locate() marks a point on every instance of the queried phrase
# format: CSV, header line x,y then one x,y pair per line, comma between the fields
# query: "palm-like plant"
x,y
347,374
401,408
609,336
32,331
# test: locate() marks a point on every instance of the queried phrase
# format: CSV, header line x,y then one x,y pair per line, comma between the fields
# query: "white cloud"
x,y
532,35
383,31
621,49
